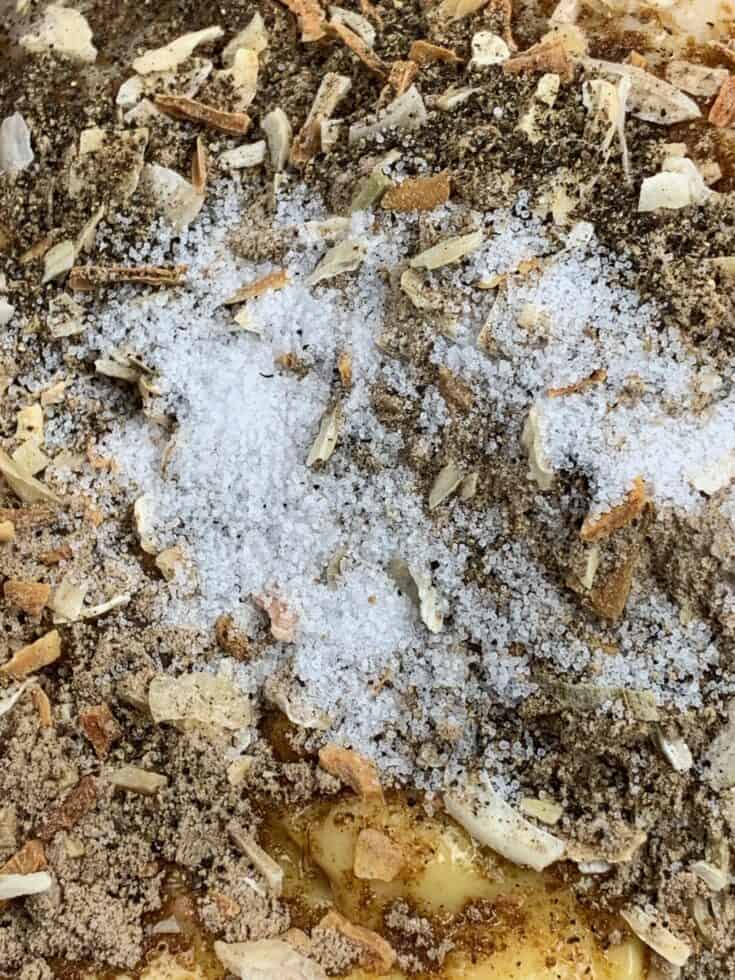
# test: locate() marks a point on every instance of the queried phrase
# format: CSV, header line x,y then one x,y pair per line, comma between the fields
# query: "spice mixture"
x,y
366,380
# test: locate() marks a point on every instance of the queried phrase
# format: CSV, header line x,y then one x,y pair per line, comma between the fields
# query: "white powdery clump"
x,y
237,495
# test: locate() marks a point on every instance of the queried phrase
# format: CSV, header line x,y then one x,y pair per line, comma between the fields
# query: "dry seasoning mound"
x,y
397,388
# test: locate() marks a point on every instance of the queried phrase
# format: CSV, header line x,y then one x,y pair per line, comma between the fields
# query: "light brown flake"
x,y
76,804
270,283
230,639
353,769
31,597
426,53
84,278
43,707
100,727
141,782
453,390
190,110
596,378
356,44
548,56
603,525
33,657
310,17
610,593
377,857
344,368
54,556
199,167
722,112
7,531
401,76
375,952
283,621
418,193
27,861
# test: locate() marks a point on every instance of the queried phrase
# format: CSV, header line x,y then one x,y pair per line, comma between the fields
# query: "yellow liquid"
x,y
531,926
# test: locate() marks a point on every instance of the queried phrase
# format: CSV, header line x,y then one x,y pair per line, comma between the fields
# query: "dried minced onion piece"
x,y
139,781
547,811
488,49
326,439
547,89
676,752
58,261
204,699
7,311
566,12
264,863
248,155
67,601
647,926
454,96
144,523
699,80
27,487
445,483
176,197
176,52
651,98
267,959
714,476
714,878
279,135
417,586
345,256
254,37
418,292
308,142
405,112
15,886
490,820
286,694
64,31
447,251
356,22
539,467
15,144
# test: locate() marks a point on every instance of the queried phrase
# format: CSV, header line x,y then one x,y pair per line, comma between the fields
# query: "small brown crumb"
x,y
377,857
78,802
310,17
7,531
344,367
548,56
426,53
84,278
182,107
722,112
270,283
42,706
289,361
596,378
199,167
34,657
30,597
402,74
227,907
282,619
353,769
230,639
418,193
610,594
56,555
100,727
375,952
356,44
457,393
27,861
637,60
603,525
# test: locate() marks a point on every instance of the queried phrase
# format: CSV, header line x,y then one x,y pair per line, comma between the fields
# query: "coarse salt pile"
x,y
237,496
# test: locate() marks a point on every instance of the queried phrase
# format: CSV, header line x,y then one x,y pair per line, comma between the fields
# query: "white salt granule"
x,y
236,490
